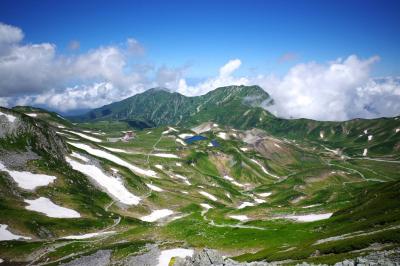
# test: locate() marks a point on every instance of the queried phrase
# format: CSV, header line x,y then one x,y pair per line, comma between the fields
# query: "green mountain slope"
x,y
243,189
241,107
158,107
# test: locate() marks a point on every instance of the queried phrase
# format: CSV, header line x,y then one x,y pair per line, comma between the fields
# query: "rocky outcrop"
x,y
100,258
18,131
376,258
208,257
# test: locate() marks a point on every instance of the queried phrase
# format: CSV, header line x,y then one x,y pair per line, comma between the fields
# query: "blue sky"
x,y
317,59
205,34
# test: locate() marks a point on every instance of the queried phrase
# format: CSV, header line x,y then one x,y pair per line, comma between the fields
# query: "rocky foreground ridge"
x,y
207,257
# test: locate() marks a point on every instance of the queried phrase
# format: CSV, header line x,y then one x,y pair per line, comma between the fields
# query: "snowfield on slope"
x,y
115,149
208,195
230,179
263,169
265,194
113,186
181,142
50,209
7,235
27,180
307,217
185,135
245,204
90,235
156,215
113,158
239,217
80,157
165,155
155,188
167,255
84,136
10,118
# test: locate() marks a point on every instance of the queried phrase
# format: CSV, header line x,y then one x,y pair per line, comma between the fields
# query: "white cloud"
x,y
224,78
229,68
134,47
35,74
338,90
9,35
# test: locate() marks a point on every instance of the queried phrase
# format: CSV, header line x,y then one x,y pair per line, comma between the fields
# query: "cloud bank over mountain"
x,y
36,74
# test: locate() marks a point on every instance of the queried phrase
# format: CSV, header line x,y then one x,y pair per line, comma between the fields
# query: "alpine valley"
x,y
164,179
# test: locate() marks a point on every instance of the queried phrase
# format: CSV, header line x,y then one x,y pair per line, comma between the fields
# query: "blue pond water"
x,y
215,143
194,139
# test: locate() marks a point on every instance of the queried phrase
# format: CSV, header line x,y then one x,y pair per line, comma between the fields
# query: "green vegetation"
x,y
309,167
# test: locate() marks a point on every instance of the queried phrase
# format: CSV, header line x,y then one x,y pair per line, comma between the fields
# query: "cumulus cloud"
x,y
135,47
8,36
30,73
224,78
338,90
35,74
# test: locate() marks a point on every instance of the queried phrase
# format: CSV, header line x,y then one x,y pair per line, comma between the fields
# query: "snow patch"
x,y
113,158
185,135
10,118
370,137
27,180
365,152
263,169
50,209
226,177
183,178
206,206
155,188
259,201
239,217
208,195
264,194
311,206
181,142
84,136
222,135
308,217
115,149
7,235
156,215
159,166
32,114
165,155
169,130
80,157
245,204
110,184
90,235
167,255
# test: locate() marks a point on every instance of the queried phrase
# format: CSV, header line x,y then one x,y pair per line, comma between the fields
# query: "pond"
x,y
194,139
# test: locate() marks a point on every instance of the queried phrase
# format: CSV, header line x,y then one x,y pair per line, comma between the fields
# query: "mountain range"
x,y
159,176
